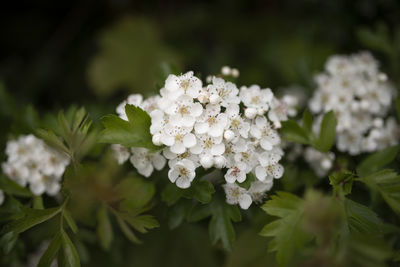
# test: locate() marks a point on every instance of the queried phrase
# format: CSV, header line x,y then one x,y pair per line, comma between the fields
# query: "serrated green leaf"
x,y
286,232
327,132
222,215
51,139
387,183
202,191
142,223
32,217
377,160
51,252
132,133
342,182
104,228
13,188
361,219
293,132
69,253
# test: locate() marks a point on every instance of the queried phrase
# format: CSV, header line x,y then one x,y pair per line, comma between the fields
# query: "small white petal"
x,y
189,140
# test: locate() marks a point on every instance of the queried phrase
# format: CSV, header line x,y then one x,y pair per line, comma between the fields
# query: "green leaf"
x,y
293,132
127,231
361,219
135,193
104,228
69,253
220,226
13,188
326,137
286,231
377,40
32,217
177,213
8,241
250,177
387,183
397,105
171,194
142,223
70,221
377,160
51,138
38,202
307,122
203,191
342,182
51,252
132,133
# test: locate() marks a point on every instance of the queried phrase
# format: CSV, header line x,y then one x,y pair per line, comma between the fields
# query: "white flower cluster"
x,y
320,162
216,125
360,96
32,162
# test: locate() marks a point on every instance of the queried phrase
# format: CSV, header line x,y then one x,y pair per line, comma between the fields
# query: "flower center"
x,y
208,143
212,120
185,84
178,137
183,110
183,171
255,100
235,123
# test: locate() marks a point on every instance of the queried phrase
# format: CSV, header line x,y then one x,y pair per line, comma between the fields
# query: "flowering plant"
x,y
200,150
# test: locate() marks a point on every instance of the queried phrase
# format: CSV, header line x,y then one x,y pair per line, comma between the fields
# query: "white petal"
x,y
278,171
260,173
172,175
159,162
206,161
146,171
245,201
189,140
197,149
183,182
167,140
178,148
266,144
197,110
218,149
201,127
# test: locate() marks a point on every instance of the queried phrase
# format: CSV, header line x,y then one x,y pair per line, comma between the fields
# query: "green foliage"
x,y
129,57
68,256
220,226
13,188
132,133
104,228
71,134
361,219
51,252
342,182
31,218
377,160
285,231
303,134
387,183
201,190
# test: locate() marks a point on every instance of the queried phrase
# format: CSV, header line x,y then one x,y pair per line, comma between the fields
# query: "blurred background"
x,y
94,53
54,53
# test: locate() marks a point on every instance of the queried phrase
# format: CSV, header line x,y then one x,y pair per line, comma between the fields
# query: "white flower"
x,y
256,99
320,162
236,126
121,153
237,195
183,111
212,121
174,158
269,172
257,190
31,162
262,130
182,173
282,108
145,162
184,84
178,138
207,148
223,93
236,173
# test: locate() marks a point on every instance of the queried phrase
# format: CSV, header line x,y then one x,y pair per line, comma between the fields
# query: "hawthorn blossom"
x,y
182,173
